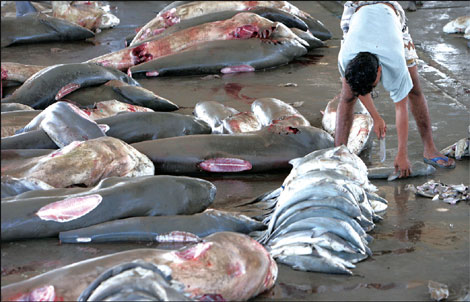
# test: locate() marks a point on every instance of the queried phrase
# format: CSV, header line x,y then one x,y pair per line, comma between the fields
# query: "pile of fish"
x,y
440,191
321,214
264,112
218,36
460,149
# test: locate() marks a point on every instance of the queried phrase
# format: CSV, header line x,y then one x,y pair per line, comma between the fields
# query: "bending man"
x,y
377,47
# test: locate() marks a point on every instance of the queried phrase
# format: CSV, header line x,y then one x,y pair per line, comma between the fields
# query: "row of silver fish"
x,y
321,214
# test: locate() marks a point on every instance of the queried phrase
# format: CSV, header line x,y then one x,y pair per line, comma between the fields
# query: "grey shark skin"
x,y
265,150
11,186
228,264
141,126
64,123
219,56
130,127
46,216
150,228
54,82
35,139
35,28
117,90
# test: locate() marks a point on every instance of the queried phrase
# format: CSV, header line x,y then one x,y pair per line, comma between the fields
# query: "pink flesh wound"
x,y
80,112
46,293
140,54
66,90
239,68
70,208
225,165
245,32
152,73
194,252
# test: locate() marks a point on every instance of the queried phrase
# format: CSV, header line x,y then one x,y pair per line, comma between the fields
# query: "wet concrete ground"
x,y
418,240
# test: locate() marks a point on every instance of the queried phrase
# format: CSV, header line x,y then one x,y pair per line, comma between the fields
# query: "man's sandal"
x,y
433,162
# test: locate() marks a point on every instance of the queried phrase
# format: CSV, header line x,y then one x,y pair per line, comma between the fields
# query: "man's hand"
x,y
402,165
380,128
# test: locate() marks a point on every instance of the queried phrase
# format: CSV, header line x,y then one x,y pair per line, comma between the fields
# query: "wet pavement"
x,y
418,240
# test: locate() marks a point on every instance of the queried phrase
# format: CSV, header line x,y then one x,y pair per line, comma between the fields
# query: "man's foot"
x,y
440,161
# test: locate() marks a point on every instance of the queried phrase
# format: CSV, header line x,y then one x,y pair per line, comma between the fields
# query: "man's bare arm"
x,y
379,125
344,114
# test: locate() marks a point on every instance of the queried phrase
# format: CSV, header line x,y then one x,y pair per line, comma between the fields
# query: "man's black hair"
x,y
361,73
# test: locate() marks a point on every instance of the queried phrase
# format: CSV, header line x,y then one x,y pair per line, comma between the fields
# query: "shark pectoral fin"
x,y
225,164
67,89
238,68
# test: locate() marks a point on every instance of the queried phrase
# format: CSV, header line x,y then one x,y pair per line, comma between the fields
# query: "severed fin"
x,y
224,164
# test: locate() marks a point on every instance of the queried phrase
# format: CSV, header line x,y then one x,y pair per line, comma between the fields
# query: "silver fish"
x,y
327,240
314,264
336,226
319,212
